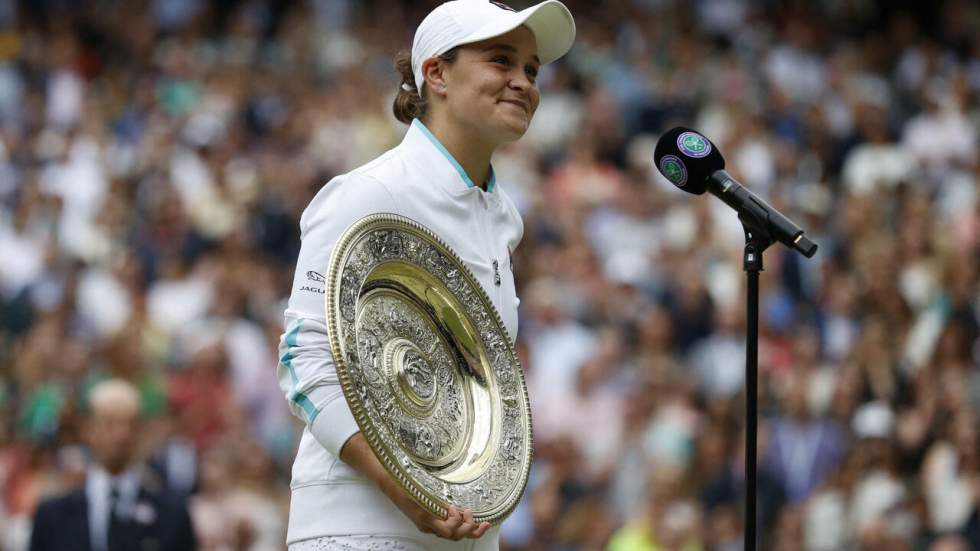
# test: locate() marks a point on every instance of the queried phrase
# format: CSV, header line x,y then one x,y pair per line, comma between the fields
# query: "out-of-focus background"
x,y
155,157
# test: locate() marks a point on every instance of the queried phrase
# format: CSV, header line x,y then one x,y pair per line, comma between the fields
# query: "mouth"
x,y
518,103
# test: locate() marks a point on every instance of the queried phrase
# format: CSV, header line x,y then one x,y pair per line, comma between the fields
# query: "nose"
x,y
520,81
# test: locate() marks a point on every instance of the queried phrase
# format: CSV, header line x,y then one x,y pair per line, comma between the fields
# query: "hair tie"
x,y
406,86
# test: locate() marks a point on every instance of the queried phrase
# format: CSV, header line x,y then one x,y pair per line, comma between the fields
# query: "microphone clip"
x,y
757,240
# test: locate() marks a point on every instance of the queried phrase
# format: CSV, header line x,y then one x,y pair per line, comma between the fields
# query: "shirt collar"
x,y
420,138
99,480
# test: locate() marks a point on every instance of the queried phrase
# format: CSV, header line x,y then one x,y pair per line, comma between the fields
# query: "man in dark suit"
x,y
123,506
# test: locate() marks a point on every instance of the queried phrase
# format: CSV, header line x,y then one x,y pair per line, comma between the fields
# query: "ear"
x,y
433,71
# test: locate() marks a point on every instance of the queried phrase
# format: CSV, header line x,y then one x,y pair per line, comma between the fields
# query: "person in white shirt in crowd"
x,y
467,87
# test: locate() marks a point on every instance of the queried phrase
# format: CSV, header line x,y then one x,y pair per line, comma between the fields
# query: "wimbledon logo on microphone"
x,y
693,144
674,170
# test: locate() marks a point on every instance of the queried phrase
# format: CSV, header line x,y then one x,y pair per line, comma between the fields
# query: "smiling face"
x,y
490,90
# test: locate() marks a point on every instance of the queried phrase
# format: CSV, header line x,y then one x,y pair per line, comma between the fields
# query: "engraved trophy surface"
x,y
428,368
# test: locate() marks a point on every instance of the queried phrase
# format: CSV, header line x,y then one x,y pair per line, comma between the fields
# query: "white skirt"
x,y
357,543
387,543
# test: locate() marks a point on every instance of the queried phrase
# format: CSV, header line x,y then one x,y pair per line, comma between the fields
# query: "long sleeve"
x,y
306,370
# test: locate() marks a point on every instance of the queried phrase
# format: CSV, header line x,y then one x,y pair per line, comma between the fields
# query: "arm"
x,y
306,371
457,524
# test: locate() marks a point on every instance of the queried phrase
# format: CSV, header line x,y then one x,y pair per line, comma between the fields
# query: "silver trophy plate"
x,y
428,368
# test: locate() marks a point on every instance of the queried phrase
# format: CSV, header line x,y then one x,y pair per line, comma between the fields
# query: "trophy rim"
x,y
341,251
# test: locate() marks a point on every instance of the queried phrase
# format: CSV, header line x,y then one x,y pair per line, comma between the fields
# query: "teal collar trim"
x,y
491,181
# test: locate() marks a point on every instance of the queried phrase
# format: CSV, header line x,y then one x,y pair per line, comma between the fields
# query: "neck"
x,y
472,153
116,470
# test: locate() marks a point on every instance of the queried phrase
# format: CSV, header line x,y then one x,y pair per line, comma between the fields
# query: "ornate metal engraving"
x,y
428,369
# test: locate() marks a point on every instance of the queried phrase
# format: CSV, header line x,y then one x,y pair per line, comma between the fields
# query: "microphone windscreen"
x,y
687,158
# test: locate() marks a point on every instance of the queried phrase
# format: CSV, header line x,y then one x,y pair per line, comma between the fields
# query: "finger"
x,y
481,529
447,528
454,516
465,529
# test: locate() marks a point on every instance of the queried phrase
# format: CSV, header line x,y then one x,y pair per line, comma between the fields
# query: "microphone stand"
x,y
757,240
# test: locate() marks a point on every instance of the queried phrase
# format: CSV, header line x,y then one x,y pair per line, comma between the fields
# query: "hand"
x,y
457,525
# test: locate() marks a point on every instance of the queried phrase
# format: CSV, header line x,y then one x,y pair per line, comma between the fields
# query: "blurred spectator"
x,y
121,505
802,448
230,512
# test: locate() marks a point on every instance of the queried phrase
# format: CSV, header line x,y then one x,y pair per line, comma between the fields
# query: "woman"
x,y
468,86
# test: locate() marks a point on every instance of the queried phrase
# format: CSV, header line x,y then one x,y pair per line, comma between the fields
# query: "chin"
x,y
514,136
513,131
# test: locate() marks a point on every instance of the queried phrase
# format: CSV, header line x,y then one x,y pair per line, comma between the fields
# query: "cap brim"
x,y
550,21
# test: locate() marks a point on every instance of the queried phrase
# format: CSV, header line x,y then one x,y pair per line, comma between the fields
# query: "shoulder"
x,y
60,504
356,193
170,501
386,167
375,175
153,489
354,185
163,509
390,171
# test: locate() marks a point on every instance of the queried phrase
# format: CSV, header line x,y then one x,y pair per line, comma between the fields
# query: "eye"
x,y
532,71
502,60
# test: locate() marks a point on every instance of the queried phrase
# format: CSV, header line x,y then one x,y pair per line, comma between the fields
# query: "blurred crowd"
x,y
155,157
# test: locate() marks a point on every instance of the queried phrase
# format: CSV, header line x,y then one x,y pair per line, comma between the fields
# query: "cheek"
x,y
478,93
535,96
493,86
483,100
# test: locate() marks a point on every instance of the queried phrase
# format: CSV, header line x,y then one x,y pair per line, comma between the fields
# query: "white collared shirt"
x,y
97,486
421,180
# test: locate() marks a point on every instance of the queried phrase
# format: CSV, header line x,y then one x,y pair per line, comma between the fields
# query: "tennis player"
x,y
468,85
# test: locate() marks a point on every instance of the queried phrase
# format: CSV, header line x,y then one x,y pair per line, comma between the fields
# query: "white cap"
x,y
466,21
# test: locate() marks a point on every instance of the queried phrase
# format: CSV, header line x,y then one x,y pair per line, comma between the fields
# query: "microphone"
x,y
691,162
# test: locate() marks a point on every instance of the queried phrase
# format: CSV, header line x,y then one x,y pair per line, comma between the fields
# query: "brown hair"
x,y
410,104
